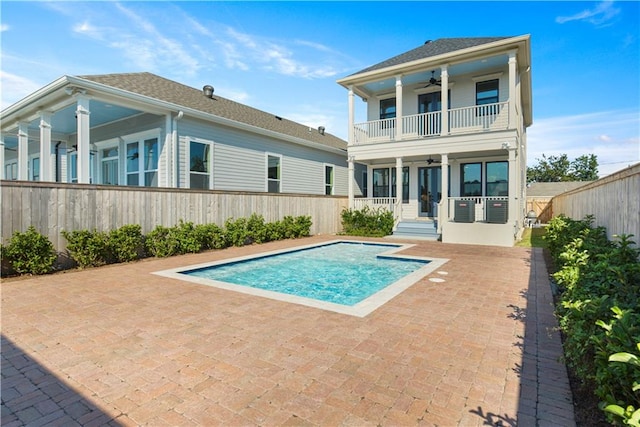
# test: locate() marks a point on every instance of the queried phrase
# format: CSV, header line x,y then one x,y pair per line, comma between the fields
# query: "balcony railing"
x,y
477,118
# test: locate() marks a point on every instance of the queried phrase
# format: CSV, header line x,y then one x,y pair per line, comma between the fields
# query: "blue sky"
x,y
285,57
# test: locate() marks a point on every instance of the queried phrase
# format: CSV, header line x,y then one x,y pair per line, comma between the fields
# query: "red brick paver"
x,y
118,345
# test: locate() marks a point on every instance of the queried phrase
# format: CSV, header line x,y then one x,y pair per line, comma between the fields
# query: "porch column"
x,y
399,186
82,115
352,177
2,166
513,187
443,208
444,97
23,151
398,108
351,117
45,147
512,89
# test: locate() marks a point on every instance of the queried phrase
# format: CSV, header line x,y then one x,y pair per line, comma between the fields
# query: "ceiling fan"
x,y
433,81
431,161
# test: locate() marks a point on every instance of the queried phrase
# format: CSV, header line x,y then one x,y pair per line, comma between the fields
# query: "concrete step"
x,y
419,229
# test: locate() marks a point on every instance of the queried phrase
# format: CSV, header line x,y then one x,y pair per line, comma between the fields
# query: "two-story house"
x,y
444,141
140,129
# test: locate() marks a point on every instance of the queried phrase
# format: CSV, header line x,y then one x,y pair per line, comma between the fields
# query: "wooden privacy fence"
x,y
614,201
53,207
542,207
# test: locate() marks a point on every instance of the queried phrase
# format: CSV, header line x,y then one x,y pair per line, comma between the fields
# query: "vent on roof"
x,y
427,42
321,130
278,117
207,90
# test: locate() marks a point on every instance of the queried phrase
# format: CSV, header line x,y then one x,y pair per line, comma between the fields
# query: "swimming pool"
x,y
349,277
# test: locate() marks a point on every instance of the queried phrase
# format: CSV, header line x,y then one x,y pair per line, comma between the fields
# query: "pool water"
x,y
342,273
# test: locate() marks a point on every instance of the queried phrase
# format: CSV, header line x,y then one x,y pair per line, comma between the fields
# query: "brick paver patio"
x,y
120,346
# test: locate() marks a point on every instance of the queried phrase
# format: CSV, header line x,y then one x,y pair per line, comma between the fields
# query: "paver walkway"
x,y
120,346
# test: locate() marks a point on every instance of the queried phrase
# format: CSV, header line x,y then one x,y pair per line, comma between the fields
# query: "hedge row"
x,y
599,312
32,253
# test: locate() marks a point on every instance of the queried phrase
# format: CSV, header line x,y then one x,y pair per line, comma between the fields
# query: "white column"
x,y
399,186
513,187
512,90
444,98
352,177
350,138
443,208
23,151
2,166
398,108
165,162
84,158
45,147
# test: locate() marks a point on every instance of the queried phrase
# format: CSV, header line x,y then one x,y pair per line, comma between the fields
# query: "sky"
x,y
285,57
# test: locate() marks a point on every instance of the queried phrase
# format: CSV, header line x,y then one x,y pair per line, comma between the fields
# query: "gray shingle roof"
x,y
550,189
432,48
166,90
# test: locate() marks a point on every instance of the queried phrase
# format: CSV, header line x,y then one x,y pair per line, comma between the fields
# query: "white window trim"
x,y
188,141
333,184
32,157
486,77
266,171
12,163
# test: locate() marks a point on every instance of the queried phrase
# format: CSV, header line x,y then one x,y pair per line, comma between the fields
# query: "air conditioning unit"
x,y
464,211
497,211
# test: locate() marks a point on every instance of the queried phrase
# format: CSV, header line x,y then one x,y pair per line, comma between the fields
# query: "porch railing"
x,y
480,206
391,204
476,118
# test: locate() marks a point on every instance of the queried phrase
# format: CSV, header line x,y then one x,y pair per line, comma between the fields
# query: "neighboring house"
x,y
539,195
140,129
445,137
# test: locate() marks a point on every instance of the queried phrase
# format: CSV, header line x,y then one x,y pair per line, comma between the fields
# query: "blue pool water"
x,y
343,273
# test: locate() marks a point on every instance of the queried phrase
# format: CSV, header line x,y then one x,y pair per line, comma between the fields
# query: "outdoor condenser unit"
x,y
497,211
464,211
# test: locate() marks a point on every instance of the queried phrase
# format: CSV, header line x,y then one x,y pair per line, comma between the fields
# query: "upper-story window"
x,y
273,173
487,94
199,165
387,108
328,180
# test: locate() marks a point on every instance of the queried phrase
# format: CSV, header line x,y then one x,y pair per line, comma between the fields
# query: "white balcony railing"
x,y
476,118
376,203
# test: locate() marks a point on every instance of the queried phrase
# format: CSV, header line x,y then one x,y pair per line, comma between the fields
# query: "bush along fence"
x,y
32,253
599,312
367,222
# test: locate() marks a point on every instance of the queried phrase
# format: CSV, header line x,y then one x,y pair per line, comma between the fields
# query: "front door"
x,y
429,184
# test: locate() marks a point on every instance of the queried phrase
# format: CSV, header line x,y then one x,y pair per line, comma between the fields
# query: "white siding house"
x,y
140,129
444,141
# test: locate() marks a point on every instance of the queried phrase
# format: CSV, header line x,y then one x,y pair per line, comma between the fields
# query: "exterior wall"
x,y
239,161
53,207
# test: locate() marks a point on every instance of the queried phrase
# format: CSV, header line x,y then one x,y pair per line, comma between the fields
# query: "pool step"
x,y
419,229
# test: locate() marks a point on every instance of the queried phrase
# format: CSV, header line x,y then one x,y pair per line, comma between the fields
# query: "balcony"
x,y
474,119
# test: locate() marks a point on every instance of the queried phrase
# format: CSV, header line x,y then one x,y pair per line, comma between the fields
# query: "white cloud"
x,y
599,15
3,28
611,135
14,88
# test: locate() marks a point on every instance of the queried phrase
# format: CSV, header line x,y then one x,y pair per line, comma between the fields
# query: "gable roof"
x,y
160,88
432,48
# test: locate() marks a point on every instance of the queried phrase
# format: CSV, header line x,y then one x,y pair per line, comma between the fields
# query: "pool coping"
x,y
361,309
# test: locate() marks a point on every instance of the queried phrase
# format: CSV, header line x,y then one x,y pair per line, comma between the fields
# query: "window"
x,y
199,165
387,108
487,93
497,174
11,171
273,174
381,182
133,164
328,180
365,184
34,169
72,166
405,184
151,162
110,166
471,180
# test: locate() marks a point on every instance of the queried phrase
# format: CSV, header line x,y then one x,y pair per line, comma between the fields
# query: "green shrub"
x,y
190,240
597,277
126,243
367,222
162,242
88,248
211,236
256,229
236,232
30,252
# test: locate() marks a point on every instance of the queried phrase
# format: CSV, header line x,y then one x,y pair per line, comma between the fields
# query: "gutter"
x,y
174,149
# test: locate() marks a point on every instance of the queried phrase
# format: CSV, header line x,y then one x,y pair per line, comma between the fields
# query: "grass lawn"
x,y
532,238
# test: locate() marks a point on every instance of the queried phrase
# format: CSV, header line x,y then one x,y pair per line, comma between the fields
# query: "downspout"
x,y
174,149
58,161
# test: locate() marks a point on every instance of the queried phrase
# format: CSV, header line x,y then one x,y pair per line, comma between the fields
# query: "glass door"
x,y
429,103
429,189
